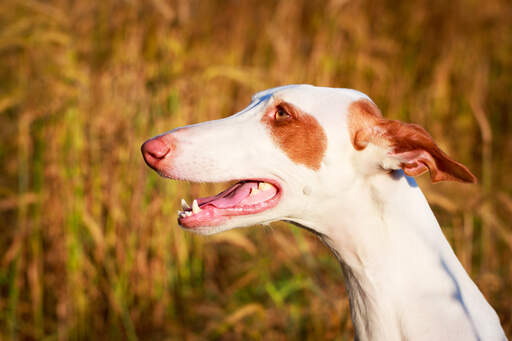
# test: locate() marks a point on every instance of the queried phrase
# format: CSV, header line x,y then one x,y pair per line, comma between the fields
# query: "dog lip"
x,y
211,216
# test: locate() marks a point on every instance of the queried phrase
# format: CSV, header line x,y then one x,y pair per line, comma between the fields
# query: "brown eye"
x,y
281,114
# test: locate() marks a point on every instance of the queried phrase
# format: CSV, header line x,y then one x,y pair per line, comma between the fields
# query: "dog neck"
x,y
403,279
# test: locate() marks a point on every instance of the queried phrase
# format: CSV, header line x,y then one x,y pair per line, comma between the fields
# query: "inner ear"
x,y
409,144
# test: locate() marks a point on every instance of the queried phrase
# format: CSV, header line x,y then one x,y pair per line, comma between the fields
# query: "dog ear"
x,y
410,146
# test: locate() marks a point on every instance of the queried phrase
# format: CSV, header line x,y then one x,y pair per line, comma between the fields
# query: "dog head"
x,y
292,151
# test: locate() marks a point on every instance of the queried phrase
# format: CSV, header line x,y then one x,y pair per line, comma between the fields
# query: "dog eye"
x,y
281,114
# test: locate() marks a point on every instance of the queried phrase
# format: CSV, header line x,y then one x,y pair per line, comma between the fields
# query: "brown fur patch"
x,y
363,116
300,136
409,142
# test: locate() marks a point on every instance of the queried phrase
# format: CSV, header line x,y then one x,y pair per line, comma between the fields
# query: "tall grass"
x,y
89,246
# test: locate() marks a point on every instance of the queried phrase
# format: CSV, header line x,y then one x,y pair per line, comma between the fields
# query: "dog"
x,y
327,160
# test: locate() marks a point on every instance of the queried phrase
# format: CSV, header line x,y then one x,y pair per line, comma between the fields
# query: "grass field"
x,y
89,245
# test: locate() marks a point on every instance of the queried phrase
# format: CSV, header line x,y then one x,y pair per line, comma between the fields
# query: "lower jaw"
x,y
211,217
192,223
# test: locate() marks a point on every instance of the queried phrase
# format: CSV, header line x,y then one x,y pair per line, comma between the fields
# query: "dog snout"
x,y
155,150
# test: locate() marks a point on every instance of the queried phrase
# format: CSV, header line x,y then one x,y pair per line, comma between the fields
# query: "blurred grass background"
x,y
89,246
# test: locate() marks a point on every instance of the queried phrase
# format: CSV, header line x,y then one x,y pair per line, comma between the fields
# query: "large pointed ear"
x,y
410,146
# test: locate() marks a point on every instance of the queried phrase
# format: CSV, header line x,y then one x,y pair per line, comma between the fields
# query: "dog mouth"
x,y
246,197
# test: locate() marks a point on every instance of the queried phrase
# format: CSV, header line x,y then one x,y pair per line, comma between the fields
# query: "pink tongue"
x,y
239,195
235,197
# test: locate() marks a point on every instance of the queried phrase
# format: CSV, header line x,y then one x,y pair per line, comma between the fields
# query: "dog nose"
x,y
154,150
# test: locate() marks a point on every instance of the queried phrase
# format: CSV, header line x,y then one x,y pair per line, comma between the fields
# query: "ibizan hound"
x,y
325,159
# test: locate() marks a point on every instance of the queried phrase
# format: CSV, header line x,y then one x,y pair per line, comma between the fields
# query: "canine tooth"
x,y
195,207
254,191
188,213
184,205
264,186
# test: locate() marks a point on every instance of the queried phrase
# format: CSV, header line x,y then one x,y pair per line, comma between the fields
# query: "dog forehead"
x,y
312,99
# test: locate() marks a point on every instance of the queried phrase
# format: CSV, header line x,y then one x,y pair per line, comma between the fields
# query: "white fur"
x,y
404,281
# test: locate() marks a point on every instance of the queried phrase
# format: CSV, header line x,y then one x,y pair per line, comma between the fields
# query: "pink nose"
x,y
155,150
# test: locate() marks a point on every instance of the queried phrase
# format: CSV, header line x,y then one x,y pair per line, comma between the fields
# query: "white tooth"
x,y
195,207
254,191
188,213
264,186
184,205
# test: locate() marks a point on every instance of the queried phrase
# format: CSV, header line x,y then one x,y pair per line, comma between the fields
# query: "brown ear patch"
x,y
363,116
410,144
299,135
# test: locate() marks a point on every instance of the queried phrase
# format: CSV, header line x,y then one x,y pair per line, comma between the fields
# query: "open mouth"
x,y
244,198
